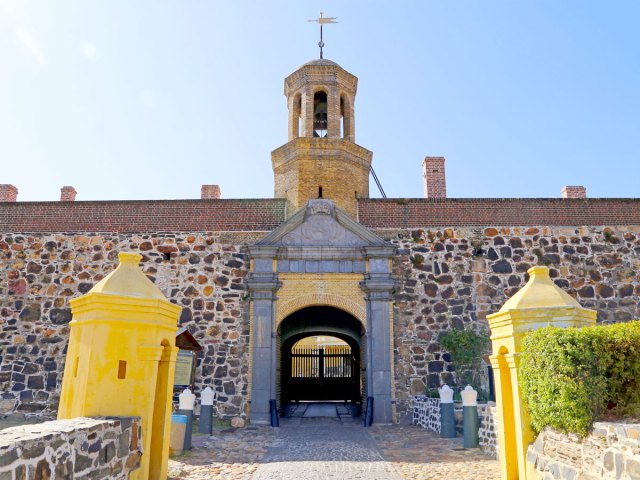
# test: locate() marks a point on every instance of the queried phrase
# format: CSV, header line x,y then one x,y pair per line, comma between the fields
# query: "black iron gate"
x,y
321,373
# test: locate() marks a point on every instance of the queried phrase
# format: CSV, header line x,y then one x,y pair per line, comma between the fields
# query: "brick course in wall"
x,y
458,212
143,216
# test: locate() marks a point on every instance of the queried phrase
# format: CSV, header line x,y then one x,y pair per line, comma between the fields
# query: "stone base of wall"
x,y
426,413
610,451
78,448
488,431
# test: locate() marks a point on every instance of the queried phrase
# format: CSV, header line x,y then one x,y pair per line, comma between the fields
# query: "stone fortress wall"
x,y
446,277
203,273
455,277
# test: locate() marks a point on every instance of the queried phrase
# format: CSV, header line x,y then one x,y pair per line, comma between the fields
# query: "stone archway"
x,y
320,373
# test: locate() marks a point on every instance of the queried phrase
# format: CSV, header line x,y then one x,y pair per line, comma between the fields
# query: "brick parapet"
x,y
143,216
454,212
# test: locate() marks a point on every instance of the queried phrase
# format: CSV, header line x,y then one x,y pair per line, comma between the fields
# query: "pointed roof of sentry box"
x,y
128,280
539,292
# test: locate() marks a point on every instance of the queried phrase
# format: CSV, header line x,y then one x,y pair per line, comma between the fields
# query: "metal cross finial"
x,y
322,20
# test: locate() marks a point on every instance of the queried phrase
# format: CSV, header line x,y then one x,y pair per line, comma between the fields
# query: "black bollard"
x,y
368,416
273,408
188,430
470,417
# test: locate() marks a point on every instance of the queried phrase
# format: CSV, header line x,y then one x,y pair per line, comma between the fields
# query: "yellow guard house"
x,y
538,304
121,358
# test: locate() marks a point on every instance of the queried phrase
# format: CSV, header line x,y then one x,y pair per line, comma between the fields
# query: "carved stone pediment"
x,y
321,224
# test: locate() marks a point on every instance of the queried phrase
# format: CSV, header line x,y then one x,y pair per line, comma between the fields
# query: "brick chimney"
x,y
574,192
209,192
435,182
68,194
8,193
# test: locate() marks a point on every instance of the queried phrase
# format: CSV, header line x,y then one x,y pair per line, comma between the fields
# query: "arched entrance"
x,y
314,368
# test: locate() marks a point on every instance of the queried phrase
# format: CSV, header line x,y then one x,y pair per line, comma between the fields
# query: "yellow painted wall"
x,y
121,359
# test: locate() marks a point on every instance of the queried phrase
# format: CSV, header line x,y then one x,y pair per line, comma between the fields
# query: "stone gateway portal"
x,y
321,273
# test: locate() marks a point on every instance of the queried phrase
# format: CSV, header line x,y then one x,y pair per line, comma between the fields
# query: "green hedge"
x,y
571,376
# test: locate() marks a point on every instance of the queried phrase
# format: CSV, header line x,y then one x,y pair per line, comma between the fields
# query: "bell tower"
x,y
321,158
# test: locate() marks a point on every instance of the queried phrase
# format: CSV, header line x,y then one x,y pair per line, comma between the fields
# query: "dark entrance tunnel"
x,y
317,373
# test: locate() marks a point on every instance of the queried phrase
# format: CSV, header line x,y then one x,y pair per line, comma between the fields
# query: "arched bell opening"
x,y
320,357
320,117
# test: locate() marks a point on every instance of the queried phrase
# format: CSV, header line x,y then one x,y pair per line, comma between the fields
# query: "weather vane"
x,y
322,20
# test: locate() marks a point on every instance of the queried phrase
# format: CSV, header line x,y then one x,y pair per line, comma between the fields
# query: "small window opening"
x,y
167,255
298,115
342,133
319,192
75,367
122,369
355,194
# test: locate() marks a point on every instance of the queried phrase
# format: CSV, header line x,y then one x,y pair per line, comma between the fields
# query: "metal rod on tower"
x,y
375,177
322,20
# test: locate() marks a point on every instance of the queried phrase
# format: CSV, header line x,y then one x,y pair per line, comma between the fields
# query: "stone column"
x,y
333,113
378,286
262,284
307,113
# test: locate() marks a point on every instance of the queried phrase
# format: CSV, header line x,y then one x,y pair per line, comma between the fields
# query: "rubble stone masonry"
x,y
108,448
203,273
447,277
455,277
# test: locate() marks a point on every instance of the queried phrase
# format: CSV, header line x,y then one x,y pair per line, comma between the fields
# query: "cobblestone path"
x,y
418,454
330,448
324,449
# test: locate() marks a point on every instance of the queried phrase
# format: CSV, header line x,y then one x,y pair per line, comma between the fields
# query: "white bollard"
x,y
187,400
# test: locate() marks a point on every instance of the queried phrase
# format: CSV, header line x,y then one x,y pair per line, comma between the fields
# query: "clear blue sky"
x,y
150,99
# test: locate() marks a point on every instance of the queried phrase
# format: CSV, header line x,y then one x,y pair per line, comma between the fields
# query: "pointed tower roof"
x,y
539,292
128,280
